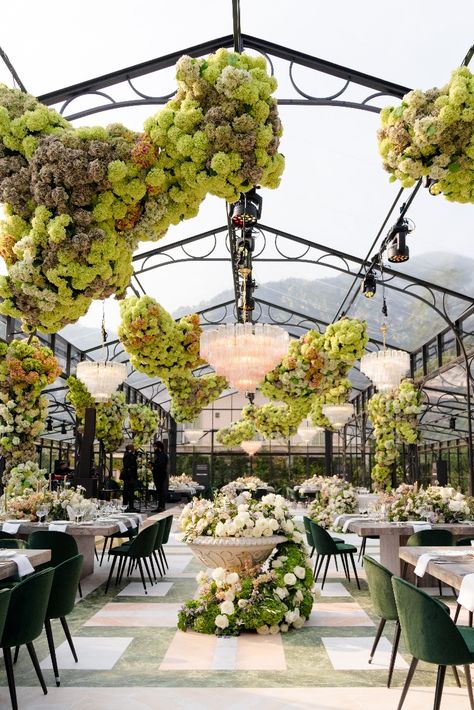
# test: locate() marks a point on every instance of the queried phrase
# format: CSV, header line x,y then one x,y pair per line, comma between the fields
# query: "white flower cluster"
x,y
26,478
249,483
437,504
336,498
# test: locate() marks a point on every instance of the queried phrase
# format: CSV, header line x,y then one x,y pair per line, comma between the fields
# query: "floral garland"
x,y
79,200
26,368
335,498
143,423
270,598
393,414
430,134
110,415
438,504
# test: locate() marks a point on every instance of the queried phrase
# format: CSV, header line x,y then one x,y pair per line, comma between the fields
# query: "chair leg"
x,y
52,651
7,657
456,613
470,618
362,548
311,553
456,676
467,673
440,588
121,569
68,636
110,547
335,562
140,567
17,653
155,556
96,553
345,564
164,557
110,574
411,671
404,570
320,564
147,570
152,565
103,551
34,660
439,687
377,638
316,561
351,555
79,589
325,571
396,641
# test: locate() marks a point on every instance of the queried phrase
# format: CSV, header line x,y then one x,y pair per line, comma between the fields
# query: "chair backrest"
x,y
379,580
5,535
4,602
322,540
62,545
429,633
308,531
160,532
11,543
27,609
143,544
63,591
425,538
168,526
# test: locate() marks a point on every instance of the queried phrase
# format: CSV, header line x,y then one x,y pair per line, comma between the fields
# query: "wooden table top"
x,y
451,572
94,529
372,527
36,557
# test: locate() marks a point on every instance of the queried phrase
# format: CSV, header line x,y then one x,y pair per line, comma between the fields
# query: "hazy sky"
x,y
334,190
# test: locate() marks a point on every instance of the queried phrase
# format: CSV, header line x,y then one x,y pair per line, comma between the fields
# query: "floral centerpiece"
x,y
181,481
23,503
26,368
393,414
79,200
437,504
268,597
335,498
143,423
248,483
431,134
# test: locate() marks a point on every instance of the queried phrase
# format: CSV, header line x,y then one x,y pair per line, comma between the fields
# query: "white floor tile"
x,y
348,654
177,563
135,589
333,589
135,614
338,614
93,653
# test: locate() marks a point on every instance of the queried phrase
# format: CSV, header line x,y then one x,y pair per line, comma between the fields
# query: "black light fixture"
x,y
397,250
452,423
49,424
248,210
369,285
63,428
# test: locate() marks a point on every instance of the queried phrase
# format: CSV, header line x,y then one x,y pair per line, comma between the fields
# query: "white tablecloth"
x,y
466,593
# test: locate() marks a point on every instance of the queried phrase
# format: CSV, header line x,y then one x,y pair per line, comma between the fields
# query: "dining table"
x,y
393,536
451,571
8,567
85,533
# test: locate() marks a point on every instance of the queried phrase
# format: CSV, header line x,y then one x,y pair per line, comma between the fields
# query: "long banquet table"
x,y
394,535
37,557
451,572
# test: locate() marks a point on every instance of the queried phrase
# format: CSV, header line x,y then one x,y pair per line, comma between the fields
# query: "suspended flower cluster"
x,y
79,200
160,347
143,423
431,134
393,416
25,370
239,431
336,497
438,504
26,478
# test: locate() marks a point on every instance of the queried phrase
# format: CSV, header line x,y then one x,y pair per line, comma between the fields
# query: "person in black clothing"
x,y
129,475
160,475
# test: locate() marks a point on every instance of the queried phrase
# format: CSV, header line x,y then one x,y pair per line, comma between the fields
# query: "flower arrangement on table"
x,y
110,415
242,483
335,498
269,598
393,414
143,423
437,504
161,347
29,492
181,481
26,368
431,134
80,199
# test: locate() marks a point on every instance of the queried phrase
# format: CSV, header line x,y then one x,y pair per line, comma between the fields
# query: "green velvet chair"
x,y
379,580
129,535
327,548
24,623
62,545
430,635
166,536
309,535
138,551
61,602
11,543
429,538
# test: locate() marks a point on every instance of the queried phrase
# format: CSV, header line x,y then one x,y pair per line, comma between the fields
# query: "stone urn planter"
x,y
234,553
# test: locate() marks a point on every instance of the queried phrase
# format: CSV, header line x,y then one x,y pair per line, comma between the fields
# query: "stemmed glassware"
x,y
42,512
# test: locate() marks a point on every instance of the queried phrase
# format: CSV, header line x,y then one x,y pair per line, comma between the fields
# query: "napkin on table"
x,y
425,559
466,593
23,564
11,527
419,526
59,527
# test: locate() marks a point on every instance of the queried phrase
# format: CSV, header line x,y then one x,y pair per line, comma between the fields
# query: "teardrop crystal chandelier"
x,y
386,367
101,378
307,432
251,446
338,414
193,435
244,352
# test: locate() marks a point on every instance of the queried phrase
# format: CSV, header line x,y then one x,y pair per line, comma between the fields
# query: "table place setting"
x,y
440,557
11,526
22,562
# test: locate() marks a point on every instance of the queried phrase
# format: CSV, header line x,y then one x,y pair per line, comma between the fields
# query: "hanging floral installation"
x,y
161,347
110,415
314,373
78,201
431,134
143,423
26,368
394,418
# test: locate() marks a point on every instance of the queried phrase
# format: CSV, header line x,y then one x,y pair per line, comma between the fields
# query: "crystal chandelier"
x,y
307,433
193,435
385,368
338,414
251,446
101,378
244,352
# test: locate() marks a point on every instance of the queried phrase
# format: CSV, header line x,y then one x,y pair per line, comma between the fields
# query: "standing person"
x,y
160,475
129,476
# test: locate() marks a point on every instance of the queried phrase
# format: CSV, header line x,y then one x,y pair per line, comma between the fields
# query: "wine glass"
x,y
42,512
